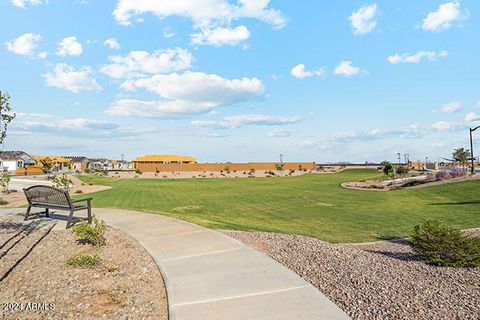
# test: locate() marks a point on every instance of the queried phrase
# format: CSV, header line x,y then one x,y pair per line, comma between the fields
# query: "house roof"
x,y
164,157
13,155
77,158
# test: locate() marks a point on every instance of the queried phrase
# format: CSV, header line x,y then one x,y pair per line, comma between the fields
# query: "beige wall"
x,y
216,167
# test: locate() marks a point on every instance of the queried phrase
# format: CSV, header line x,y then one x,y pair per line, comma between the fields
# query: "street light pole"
x,y
471,149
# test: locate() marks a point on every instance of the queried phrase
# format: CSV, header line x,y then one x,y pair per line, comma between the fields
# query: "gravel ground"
x,y
380,280
127,285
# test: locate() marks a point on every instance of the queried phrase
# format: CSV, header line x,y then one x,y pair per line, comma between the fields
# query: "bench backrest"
x,y
47,195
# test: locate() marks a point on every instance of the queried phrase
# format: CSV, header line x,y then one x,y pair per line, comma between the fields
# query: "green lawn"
x,y
314,205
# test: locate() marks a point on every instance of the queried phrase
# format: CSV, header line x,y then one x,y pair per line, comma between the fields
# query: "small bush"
x,y
78,191
138,171
445,246
3,202
94,234
84,261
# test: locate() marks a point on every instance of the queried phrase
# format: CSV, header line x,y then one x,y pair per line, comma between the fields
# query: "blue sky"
x,y
246,80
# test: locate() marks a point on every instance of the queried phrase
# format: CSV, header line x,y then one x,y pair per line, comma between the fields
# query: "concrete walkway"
x,y
211,276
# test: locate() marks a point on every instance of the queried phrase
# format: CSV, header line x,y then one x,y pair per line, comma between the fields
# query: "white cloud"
x,y
69,46
232,122
345,68
444,17
212,17
186,94
451,107
363,21
300,72
24,44
200,87
260,119
201,12
221,36
139,63
168,32
157,109
112,43
281,132
71,79
416,58
42,55
472,116
23,3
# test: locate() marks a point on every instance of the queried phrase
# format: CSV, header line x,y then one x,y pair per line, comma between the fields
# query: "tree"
x,y
46,165
62,181
388,169
6,115
461,155
4,181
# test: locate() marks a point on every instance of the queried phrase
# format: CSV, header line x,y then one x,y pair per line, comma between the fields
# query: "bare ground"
x,y
380,280
127,285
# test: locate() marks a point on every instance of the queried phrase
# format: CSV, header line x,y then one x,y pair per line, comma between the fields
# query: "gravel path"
x,y
382,280
127,285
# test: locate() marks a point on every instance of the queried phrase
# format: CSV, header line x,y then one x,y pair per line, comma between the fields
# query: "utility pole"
x,y
399,158
472,157
281,158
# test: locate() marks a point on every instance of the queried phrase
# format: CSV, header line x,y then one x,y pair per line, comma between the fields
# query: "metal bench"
x,y
57,199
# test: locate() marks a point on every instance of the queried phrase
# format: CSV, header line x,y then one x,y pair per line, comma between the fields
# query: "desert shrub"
x,y
84,260
3,202
445,246
78,191
402,170
138,171
93,234
450,174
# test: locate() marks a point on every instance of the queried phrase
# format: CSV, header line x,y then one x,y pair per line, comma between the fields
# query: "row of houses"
x,y
21,162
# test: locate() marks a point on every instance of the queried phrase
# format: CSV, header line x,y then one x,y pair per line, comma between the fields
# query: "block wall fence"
x,y
216,167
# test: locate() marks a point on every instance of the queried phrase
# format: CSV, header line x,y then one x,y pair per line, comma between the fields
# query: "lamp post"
x,y
471,149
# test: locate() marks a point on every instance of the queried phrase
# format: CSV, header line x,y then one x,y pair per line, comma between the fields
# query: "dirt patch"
x,y
127,285
381,280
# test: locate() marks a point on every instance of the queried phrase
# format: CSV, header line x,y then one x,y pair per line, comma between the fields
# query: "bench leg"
x,y
28,212
70,219
89,213
47,212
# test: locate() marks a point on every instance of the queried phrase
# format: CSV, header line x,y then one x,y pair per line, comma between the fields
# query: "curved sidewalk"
x,y
211,276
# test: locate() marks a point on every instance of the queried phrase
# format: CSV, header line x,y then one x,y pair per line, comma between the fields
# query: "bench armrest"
x,y
83,199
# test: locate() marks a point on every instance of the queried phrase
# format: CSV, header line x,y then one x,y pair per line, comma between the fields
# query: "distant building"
x,y
157,159
80,163
12,161
56,163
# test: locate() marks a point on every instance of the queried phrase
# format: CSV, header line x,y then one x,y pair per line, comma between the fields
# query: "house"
x,y
156,159
12,161
79,163
55,163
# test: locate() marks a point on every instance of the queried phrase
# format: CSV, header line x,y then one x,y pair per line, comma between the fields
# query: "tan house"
x,y
151,160
56,163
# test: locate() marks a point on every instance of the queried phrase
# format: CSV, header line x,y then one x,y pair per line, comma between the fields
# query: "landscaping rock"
x,y
381,280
